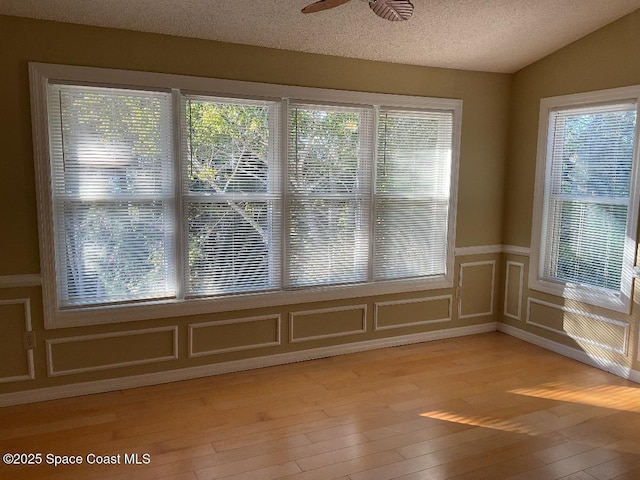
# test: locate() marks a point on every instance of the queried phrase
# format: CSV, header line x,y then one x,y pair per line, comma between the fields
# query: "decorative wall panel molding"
x,y
514,274
327,323
481,283
91,353
572,322
213,338
412,312
15,319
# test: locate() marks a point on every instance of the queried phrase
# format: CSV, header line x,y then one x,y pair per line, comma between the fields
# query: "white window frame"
x,y
55,317
616,301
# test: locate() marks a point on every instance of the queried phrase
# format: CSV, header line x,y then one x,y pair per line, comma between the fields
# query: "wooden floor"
x,y
482,407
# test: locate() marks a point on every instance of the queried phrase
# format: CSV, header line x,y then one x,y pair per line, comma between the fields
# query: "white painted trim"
x,y
515,250
156,378
41,153
461,287
520,289
17,281
303,313
575,354
56,341
487,249
478,250
377,305
195,326
622,351
176,308
193,85
26,305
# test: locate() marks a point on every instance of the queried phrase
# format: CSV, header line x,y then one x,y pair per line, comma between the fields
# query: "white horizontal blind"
x,y
413,180
112,186
588,180
231,185
328,172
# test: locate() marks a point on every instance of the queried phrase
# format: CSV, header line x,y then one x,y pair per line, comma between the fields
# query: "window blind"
x,y
231,185
112,187
328,194
588,181
413,178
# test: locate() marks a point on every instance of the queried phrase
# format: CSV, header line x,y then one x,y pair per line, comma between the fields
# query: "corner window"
x,y
159,199
587,209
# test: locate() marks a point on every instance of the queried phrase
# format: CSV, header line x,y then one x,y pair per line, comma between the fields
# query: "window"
x,y
413,170
329,181
160,199
231,197
587,205
111,160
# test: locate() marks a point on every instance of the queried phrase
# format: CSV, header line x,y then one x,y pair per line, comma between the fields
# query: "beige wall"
x,y
67,356
604,59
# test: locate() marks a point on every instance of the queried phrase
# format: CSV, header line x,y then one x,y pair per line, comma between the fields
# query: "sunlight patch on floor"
x,y
607,396
504,425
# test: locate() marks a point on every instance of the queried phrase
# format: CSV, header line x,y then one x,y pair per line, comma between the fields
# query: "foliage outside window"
x,y
231,198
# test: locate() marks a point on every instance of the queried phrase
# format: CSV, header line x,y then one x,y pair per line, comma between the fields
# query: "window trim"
x,y
622,300
41,74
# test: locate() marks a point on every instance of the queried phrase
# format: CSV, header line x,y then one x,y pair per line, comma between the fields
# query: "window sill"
x,y
85,316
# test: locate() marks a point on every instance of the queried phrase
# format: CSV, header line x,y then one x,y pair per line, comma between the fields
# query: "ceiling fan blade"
x,y
323,5
392,10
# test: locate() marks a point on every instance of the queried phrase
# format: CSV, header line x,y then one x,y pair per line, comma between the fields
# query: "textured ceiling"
x,y
484,35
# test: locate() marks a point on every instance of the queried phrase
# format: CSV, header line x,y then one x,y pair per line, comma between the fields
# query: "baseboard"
x,y
575,354
101,386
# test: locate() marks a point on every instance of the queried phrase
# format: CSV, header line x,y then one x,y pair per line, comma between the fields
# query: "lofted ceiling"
x,y
483,35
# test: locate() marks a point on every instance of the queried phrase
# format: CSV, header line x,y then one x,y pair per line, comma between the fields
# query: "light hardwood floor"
x,y
481,407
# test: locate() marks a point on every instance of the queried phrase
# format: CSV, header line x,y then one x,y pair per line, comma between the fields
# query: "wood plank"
x,y
468,408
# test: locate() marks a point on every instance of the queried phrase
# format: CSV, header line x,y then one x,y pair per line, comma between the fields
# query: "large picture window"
x,y
587,206
160,201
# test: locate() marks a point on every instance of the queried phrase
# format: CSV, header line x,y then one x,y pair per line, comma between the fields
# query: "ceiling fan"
x,y
392,10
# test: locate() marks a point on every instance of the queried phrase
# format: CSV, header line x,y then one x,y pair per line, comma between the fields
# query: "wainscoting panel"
x,y
233,335
66,356
583,327
412,312
327,323
476,286
513,290
16,363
